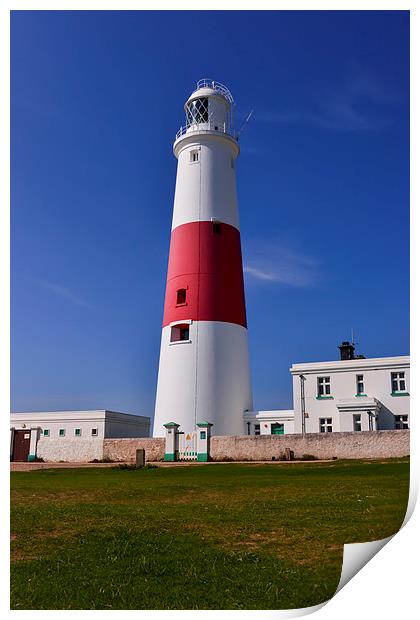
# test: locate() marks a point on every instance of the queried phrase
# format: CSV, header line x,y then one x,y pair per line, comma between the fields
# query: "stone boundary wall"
x,y
359,445
355,445
125,449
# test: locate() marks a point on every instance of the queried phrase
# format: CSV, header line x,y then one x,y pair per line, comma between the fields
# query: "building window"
x,y
62,432
94,432
360,385
194,157
77,432
324,386
398,382
257,429
180,333
401,422
217,228
46,432
325,425
357,422
202,434
277,429
181,296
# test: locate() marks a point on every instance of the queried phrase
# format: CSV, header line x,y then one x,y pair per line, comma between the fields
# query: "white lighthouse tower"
x,y
204,365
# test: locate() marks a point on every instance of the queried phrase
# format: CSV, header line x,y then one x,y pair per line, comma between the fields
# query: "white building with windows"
x,y
73,436
350,394
276,422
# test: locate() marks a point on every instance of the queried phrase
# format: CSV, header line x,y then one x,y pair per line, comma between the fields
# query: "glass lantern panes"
x,y
198,111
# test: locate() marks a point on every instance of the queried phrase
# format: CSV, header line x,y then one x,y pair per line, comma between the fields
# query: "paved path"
x,y
34,466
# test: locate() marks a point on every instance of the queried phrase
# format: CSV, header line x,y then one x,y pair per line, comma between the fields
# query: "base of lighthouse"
x,y
205,378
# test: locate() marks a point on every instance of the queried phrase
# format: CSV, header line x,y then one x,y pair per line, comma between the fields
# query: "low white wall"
x,y
77,450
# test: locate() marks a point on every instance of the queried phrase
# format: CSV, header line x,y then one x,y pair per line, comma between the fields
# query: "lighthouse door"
x,y
187,447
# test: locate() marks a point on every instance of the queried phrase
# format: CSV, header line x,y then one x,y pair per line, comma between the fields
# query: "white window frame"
x,y
257,429
46,432
357,422
325,425
61,434
360,381
324,387
194,156
399,377
94,434
400,423
177,324
77,434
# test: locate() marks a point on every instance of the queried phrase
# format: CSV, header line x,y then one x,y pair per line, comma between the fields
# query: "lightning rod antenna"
x,y
246,121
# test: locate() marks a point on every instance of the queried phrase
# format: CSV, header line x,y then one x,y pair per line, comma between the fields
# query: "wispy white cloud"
x,y
356,105
64,293
276,262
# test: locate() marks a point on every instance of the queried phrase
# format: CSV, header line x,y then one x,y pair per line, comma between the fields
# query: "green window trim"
x,y
400,394
325,397
357,395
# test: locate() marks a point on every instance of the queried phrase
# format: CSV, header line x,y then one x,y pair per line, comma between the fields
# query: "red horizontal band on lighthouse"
x,y
205,261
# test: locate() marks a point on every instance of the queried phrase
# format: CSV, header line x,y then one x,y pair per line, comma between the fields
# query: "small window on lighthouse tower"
x,y
180,333
193,157
181,296
217,228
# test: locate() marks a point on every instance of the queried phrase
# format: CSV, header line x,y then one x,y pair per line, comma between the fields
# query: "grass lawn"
x,y
226,536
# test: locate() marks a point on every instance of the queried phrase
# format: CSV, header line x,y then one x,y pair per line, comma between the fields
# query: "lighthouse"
x,y
204,363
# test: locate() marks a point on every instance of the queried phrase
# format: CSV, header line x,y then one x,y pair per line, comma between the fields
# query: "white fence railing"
x,y
193,127
217,86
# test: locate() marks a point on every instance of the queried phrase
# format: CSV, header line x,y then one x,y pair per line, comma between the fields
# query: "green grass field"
x,y
226,536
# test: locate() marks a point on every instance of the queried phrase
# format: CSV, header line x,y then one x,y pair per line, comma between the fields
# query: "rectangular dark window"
x,y
62,432
46,432
325,425
324,386
257,429
194,156
180,333
357,422
181,296
360,385
77,432
398,381
401,422
217,228
94,432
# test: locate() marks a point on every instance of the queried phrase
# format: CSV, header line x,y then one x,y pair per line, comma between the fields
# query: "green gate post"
x,y
170,440
203,441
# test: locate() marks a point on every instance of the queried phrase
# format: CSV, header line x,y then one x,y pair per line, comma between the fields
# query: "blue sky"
x,y
323,189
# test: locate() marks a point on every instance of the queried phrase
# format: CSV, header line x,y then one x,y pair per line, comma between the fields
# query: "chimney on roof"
x,y
346,350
